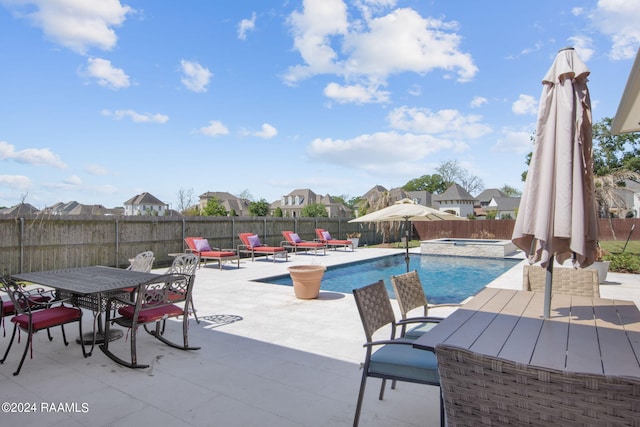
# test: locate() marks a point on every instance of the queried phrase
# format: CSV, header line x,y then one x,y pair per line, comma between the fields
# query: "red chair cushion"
x,y
48,318
154,314
217,254
269,249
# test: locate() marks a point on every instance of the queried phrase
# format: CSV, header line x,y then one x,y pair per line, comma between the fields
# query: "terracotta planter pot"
x,y
306,280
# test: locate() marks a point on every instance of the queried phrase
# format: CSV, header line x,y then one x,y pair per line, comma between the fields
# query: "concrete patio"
x,y
267,359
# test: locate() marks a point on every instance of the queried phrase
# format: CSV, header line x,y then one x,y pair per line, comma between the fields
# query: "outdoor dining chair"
x,y
156,301
184,264
35,311
410,296
479,389
395,358
142,262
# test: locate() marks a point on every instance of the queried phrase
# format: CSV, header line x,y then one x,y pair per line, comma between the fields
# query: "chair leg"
x,y
26,349
363,383
384,383
13,335
64,336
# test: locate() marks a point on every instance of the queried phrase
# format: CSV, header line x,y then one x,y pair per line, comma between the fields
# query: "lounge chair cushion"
x,y
405,361
216,254
254,241
295,238
326,235
202,245
151,314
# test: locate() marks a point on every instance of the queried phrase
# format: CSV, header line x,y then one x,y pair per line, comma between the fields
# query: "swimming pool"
x,y
446,279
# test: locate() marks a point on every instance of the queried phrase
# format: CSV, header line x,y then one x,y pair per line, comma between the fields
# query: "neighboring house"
x,y
61,208
487,195
456,200
75,208
145,204
421,197
228,201
19,210
629,200
505,207
293,203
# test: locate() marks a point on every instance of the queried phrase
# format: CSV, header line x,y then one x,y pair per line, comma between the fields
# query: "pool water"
x,y
446,279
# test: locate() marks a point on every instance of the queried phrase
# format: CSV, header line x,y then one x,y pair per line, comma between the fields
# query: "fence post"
x,y
21,231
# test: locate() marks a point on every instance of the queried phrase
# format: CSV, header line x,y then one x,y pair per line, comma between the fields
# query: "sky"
x,y
101,100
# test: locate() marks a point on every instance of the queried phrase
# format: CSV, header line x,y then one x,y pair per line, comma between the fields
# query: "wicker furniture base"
x,y
483,390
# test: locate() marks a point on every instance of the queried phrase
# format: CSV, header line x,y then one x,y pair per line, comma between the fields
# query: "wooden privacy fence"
x,y
610,229
44,243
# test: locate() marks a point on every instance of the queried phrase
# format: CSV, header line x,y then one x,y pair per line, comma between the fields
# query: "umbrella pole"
x,y
547,288
406,243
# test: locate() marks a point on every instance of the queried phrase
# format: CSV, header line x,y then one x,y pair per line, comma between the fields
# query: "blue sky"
x,y
101,100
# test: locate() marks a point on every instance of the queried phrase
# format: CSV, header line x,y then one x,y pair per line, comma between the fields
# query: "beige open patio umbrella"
x,y
557,215
407,210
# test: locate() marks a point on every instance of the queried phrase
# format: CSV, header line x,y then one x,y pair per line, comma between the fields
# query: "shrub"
x,y
623,263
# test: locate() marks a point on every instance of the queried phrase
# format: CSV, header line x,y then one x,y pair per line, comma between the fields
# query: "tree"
x,y
452,172
510,191
278,212
434,184
614,152
245,194
259,208
214,208
314,210
185,199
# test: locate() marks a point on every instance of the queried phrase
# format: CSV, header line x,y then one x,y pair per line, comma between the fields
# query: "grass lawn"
x,y
616,246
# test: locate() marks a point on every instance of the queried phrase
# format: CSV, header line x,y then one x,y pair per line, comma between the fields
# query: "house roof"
x,y
505,203
454,193
21,209
144,199
488,194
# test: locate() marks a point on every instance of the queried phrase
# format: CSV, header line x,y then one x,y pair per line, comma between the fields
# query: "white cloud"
x,y
215,128
106,74
478,101
620,20
312,28
97,170
32,156
515,140
583,46
73,180
18,182
196,77
526,104
76,24
370,152
267,131
449,123
356,94
136,117
372,48
245,26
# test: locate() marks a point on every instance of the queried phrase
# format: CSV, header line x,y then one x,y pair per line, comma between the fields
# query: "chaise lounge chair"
x,y
294,241
325,237
251,244
200,248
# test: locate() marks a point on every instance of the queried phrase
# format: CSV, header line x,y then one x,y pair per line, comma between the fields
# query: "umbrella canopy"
x,y
557,214
407,210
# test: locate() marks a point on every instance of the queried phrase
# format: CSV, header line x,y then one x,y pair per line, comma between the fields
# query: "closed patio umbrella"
x,y
557,215
407,210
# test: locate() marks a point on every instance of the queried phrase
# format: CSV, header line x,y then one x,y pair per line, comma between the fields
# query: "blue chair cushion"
x,y
417,331
404,361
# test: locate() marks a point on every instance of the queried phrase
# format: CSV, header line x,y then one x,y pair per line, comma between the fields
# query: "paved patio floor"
x,y
267,359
